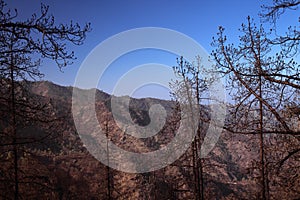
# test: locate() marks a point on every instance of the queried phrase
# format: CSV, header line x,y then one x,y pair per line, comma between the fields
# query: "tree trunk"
x,y
13,126
107,167
261,141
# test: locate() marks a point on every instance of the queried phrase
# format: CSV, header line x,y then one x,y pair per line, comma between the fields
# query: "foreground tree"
x,y
190,91
262,80
289,42
22,45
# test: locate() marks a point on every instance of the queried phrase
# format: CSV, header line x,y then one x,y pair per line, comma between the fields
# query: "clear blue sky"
x,y
197,19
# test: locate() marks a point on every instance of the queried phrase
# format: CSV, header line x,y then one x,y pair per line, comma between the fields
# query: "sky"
x,y
197,19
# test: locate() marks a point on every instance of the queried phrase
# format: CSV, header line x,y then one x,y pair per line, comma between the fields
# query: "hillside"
x,y
55,164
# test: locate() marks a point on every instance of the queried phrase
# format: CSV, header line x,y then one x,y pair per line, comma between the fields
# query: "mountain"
x,y
54,163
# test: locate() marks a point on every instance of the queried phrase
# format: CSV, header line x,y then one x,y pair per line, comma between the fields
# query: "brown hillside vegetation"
x,y
54,164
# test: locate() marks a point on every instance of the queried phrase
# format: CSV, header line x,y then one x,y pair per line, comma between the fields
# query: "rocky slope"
x,y
55,164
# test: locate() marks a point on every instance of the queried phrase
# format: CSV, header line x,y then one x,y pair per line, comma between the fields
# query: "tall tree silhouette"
x,y
190,91
23,44
258,83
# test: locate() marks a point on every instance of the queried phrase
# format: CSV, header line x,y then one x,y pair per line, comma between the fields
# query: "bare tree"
x,y
289,42
190,90
22,45
251,70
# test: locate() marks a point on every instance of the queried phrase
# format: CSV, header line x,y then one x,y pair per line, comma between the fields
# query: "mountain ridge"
x,y
72,172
